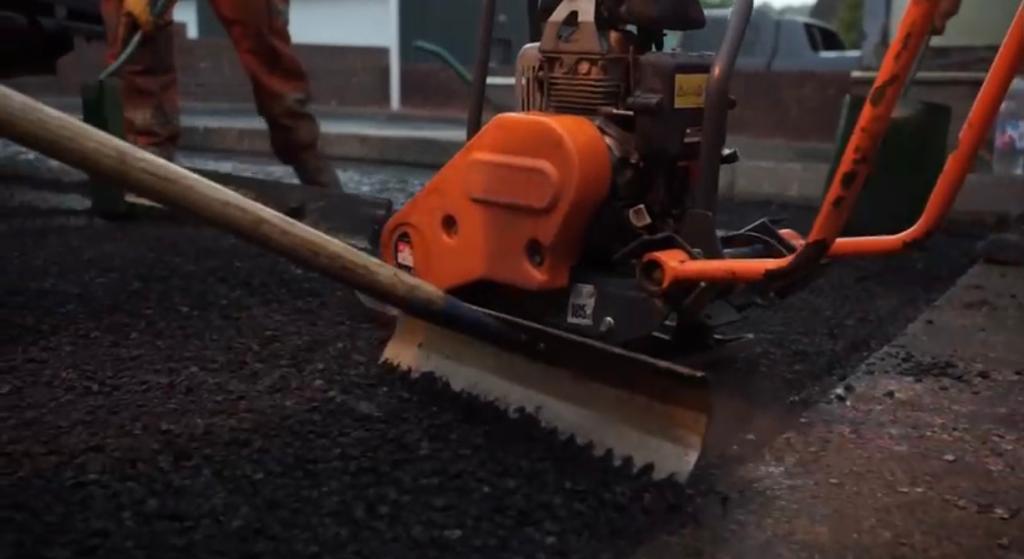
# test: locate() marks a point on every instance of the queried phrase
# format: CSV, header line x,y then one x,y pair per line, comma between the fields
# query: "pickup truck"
x,y
34,34
776,43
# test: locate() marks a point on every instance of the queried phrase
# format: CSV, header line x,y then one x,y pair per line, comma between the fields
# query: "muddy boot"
x,y
315,170
163,152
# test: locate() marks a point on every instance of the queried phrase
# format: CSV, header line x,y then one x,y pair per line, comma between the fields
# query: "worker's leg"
x,y
259,30
149,83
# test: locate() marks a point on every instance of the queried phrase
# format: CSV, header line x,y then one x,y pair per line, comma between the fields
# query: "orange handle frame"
x,y
665,268
975,130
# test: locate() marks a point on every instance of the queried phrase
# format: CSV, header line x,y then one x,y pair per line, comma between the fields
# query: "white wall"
x,y
980,23
356,23
322,22
185,12
341,22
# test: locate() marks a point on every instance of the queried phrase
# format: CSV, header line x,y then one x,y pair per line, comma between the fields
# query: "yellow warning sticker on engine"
x,y
690,90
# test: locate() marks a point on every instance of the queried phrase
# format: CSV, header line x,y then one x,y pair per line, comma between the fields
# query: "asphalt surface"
x,y
166,391
918,453
215,401
396,182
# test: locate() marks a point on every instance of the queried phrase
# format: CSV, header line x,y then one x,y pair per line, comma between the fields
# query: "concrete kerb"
x,y
798,176
984,197
769,170
416,150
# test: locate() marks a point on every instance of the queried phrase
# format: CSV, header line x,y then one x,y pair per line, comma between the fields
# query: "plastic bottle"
x,y
1008,155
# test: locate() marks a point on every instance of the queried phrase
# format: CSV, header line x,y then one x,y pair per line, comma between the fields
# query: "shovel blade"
x,y
657,416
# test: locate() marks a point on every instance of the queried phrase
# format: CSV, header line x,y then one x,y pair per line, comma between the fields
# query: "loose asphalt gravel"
x,y
167,391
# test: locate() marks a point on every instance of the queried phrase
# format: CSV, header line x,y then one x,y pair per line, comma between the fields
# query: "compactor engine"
x,y
614,154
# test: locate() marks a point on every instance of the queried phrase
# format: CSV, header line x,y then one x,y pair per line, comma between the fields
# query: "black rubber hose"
x,y
133,44
483,61
533,20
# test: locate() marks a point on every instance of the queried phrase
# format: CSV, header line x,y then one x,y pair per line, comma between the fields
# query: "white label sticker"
x,y
639,217
582,299
403,254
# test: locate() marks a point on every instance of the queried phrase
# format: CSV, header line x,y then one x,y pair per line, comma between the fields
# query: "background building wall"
x,y
981,23
356,23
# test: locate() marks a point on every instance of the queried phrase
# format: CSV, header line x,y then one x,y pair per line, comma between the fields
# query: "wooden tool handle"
x,y
66,139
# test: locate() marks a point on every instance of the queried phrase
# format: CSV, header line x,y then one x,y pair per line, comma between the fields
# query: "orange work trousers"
x,y
259,32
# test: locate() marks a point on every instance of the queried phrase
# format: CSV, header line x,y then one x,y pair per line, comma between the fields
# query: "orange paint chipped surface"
x,y
512,207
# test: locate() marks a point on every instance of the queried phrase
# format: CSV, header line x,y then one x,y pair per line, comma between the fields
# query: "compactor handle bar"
x,y
661,270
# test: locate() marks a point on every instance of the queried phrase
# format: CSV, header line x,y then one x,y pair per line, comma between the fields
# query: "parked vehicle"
x,y
776,43
35,34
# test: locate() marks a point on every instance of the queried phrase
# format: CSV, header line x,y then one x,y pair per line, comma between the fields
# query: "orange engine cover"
x,y
512,207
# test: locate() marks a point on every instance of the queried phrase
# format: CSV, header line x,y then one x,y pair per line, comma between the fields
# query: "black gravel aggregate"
x,y
166,391
810,342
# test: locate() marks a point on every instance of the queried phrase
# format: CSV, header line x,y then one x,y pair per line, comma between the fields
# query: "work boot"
x,y
112,203
315,170
164,152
